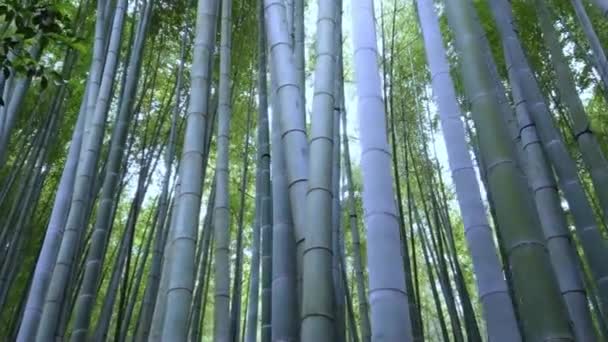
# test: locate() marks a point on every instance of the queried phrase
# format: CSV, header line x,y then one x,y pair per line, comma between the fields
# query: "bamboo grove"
x,y
303,170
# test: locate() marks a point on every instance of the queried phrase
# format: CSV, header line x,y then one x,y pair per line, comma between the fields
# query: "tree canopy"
x,y
282,170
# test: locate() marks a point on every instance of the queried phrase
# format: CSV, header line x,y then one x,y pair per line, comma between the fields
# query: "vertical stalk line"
x,y
221,211
522,236
237,286
88,290
52,240
180,267
493,292
523,80
289,95
597,51
81,201
388,298
318,315
286,285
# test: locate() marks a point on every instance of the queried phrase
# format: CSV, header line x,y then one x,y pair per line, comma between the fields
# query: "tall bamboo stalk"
x,y
498,310
523,239
318,297
389,304
89,157
180,266
289,96
221,211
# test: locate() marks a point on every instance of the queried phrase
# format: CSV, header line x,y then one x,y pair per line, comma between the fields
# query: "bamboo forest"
x,y
304,170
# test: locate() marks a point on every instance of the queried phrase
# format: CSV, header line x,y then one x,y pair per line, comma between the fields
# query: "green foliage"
x,y
60,26
30,27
